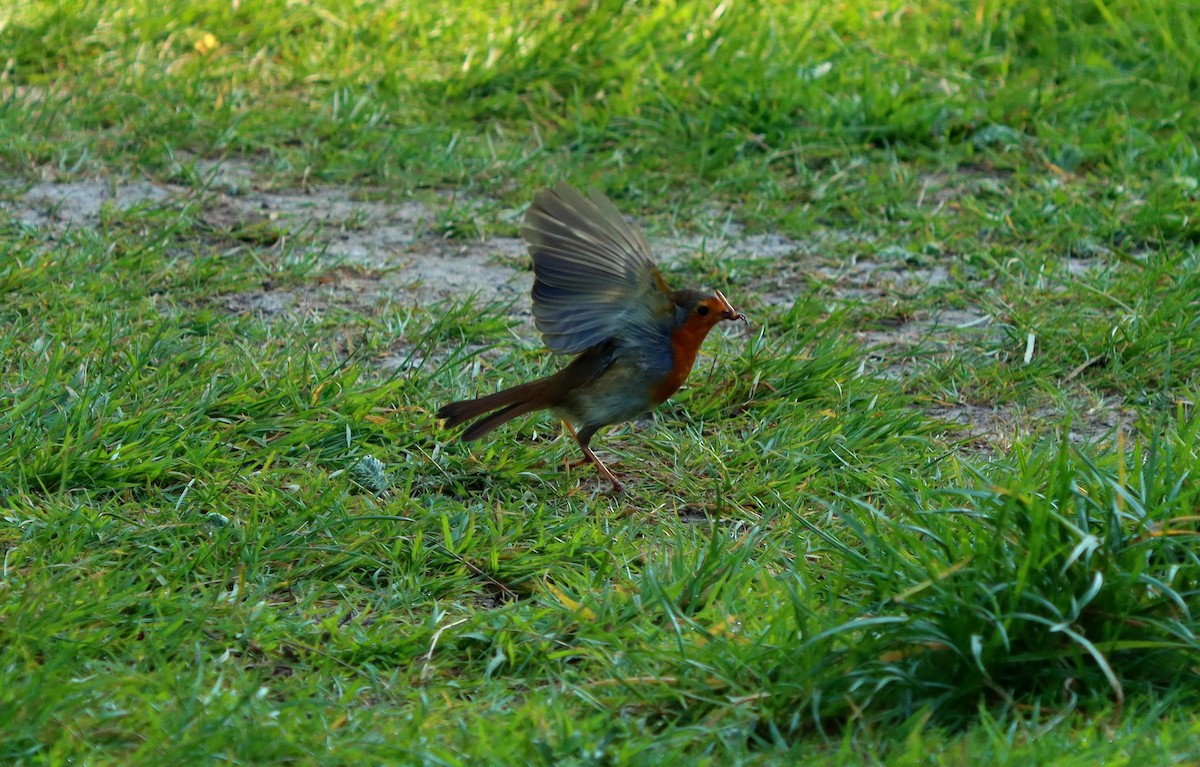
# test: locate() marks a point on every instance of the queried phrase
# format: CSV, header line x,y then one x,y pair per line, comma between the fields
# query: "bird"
x,y
597,294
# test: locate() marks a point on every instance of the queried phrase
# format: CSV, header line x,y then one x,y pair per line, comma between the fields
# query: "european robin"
x,y
597,294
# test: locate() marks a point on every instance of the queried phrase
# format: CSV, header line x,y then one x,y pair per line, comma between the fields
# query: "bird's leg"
x,y
617,486
587,451
569,464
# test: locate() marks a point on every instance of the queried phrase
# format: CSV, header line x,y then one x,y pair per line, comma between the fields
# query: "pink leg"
x,y
587,451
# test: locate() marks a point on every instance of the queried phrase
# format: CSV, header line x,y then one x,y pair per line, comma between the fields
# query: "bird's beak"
x,y
728,312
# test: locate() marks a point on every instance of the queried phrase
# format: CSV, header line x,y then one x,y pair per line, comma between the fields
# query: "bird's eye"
x,y
702,310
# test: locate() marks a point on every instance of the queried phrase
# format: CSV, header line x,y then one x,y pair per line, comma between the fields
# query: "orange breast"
x,y
685,342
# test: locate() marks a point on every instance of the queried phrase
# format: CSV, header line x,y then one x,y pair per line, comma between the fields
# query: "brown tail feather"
x,y
485,425
509,403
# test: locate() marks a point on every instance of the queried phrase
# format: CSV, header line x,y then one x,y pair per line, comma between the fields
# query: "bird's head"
x,y
697,312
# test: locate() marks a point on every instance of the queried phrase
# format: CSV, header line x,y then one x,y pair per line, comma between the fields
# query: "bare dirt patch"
x,y
397,243
901,347
995,429
370,252
54,205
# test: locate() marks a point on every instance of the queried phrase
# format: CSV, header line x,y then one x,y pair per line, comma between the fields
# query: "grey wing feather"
x,y
594,276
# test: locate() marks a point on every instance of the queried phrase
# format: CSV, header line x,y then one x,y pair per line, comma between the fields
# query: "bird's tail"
x,y
508,404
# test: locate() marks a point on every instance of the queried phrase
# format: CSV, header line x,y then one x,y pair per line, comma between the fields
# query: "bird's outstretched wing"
x,y
594,277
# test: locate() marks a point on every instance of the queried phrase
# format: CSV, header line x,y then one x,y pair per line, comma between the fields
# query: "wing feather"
x,y
594,278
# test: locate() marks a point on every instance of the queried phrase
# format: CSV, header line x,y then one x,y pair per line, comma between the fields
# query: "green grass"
x,y
239,536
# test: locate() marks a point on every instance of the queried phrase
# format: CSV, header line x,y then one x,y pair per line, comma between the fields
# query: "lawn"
x,y
934,505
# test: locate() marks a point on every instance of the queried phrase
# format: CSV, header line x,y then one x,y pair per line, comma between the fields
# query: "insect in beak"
x,y
728,312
